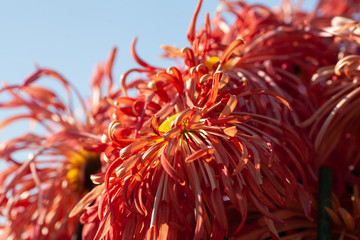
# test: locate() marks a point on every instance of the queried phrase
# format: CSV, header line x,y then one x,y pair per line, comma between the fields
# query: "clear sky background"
x,y
72,36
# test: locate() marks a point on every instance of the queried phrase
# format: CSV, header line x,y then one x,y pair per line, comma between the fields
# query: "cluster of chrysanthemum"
x,y
226,145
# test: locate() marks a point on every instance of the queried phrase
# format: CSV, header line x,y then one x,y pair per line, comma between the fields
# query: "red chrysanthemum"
x,y
37,194
334,126
281,55
344,220
193,143
221,146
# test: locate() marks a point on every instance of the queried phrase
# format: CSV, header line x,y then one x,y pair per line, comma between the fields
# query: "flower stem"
x,y
325,184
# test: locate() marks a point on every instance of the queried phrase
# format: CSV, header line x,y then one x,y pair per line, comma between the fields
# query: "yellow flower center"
x,y
211,61
80,166
166,125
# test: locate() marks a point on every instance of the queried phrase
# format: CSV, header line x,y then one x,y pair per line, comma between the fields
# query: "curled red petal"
x,y
86,200
191,30
230,49
199,154
137,58
171,171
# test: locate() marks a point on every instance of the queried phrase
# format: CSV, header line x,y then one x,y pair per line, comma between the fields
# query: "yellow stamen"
x,y
78,168
211,61
166,125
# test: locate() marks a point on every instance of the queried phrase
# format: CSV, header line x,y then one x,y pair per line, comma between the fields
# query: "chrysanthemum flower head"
x,y
280,55
333,127
344,216
37,194
189,148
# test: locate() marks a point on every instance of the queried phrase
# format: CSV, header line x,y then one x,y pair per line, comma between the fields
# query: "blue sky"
x,y
72,36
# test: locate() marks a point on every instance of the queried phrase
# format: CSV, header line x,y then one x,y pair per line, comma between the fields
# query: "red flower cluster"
x,y
226,145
